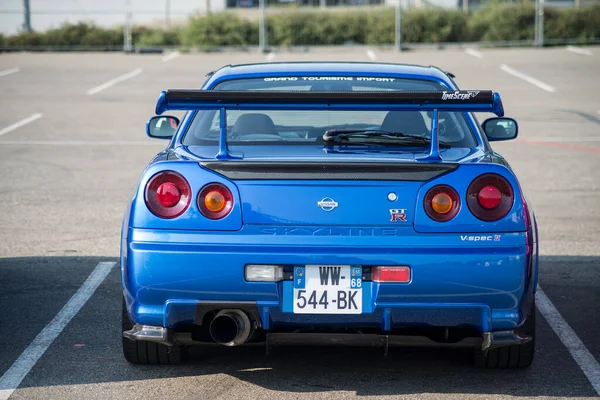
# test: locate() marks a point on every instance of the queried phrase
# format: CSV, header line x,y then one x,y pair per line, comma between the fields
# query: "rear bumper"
x,y
170,276
487,341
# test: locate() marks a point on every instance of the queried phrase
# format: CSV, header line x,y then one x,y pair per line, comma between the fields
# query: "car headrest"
x,y
254,123
409,122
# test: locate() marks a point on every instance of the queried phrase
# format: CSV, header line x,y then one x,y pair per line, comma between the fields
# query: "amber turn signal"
x,y
441,203
214,201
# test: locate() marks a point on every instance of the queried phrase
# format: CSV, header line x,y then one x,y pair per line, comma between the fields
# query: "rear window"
x,y
301,127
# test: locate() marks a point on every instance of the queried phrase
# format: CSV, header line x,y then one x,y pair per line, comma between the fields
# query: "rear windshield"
x,y
302,127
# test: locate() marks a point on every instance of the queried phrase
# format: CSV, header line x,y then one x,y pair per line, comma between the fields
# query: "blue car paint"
x,y
446,271
170,265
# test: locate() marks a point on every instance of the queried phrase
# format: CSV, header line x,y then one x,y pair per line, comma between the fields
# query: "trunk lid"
x,y
327,203
328,194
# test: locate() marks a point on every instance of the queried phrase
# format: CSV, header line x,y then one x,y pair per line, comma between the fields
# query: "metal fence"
x,y
40,15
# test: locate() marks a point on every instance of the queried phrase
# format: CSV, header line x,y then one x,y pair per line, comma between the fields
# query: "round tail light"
x,y
215,201
490,197
167,194
441,203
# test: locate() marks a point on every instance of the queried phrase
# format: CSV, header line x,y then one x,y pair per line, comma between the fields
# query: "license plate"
x,y
327,289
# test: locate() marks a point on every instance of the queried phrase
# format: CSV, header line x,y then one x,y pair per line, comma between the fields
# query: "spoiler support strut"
x,y
434,150
223,153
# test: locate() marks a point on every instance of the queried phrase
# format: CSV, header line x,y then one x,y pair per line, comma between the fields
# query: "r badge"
x,y
398,215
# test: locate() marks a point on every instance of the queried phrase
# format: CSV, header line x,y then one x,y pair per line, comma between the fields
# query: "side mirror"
x,y
497,129
162,127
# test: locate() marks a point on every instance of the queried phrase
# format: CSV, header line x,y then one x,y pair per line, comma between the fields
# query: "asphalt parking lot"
x,y
72,146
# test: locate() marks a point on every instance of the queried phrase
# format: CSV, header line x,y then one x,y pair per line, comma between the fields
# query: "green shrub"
x,y
103,37
434,25
496,22
380,27
517,22
223,29
307,28
25,39
500,22
82,34
572,23
68,35
145,36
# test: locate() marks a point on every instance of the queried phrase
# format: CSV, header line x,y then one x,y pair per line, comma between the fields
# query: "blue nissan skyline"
x,y
332,204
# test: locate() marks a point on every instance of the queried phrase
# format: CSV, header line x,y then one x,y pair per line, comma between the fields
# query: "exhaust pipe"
x,y
230,328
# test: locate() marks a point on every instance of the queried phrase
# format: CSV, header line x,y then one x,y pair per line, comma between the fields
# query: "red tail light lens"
x,y
441,203
215,201
490,197
167,194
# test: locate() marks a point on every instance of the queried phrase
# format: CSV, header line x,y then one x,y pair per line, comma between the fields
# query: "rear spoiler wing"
x,y
435,101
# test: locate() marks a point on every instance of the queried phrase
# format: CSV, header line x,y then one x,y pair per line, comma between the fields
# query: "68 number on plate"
x,y
327,289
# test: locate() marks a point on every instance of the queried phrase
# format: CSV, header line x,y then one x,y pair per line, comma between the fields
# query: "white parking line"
x,y
473,52
271,56
19,124
371,54
569,338
579,50
9,71
21,367
112,82
80,143
527,78
171,56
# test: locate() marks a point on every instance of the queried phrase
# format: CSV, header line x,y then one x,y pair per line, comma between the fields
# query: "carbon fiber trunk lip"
x,y
321,171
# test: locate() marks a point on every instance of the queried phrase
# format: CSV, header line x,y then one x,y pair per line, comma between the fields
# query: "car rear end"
x,y
376,257
351,249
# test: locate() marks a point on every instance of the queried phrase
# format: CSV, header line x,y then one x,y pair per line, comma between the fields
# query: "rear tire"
x,y
149,353
516,356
